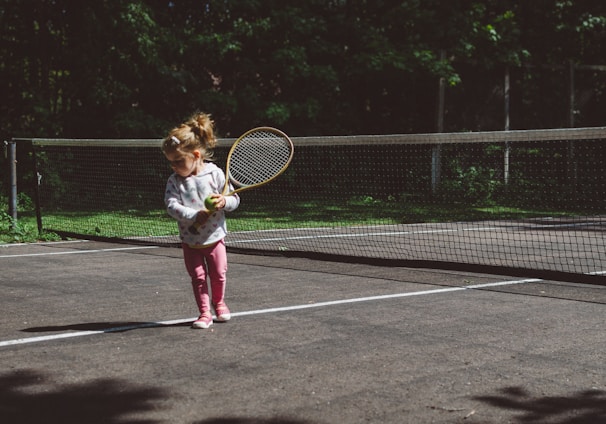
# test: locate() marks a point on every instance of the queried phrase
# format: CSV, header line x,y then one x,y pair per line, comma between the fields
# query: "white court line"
x,y
79,252
42,243
264,311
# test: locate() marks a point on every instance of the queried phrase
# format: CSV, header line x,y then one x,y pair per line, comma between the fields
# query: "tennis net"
x,y
517,202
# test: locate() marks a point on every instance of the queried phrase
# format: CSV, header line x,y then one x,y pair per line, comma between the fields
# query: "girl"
x,y
188,148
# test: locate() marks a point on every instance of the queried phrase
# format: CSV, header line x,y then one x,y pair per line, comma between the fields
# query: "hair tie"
x,y
175,140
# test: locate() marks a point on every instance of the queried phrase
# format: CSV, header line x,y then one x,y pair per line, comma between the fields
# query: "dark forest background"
x,y
133,69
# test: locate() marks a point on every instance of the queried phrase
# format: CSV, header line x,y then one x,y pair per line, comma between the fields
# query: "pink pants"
x,y
211,262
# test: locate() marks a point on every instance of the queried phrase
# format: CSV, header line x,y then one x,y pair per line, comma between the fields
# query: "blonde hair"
x,y
197,133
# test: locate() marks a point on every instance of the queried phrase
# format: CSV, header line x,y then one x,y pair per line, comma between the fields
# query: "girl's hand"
x,y
219,201
202,217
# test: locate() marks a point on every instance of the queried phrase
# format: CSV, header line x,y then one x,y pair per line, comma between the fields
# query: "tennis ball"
x,y
209,203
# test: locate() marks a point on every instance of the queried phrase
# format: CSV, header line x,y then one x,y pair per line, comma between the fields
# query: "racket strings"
x,y
259,157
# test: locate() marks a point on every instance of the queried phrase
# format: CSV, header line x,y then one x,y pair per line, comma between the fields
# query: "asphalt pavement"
x,y
100,333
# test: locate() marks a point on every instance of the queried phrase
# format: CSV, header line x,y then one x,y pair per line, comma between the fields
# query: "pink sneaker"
x,y
222,312
204,321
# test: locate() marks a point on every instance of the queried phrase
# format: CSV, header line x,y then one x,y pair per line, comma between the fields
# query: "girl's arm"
x,y
229,203
174,204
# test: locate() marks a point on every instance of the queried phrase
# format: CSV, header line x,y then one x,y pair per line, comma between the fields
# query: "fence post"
x,y
507,153
572,161
436,150
12,197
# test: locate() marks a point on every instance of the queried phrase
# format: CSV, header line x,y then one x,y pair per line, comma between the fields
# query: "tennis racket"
x,y
258,157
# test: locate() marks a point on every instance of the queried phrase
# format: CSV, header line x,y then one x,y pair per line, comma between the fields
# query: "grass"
x,y
22,231
363,210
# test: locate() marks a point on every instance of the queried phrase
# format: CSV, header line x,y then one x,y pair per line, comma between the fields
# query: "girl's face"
x,y
185,164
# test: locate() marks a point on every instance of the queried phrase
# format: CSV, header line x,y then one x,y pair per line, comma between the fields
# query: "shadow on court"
x,y
109,327
276,420
586,407
29,396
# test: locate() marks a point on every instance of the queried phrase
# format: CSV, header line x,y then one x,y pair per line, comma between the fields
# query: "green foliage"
x,y
134,68
21,231
24,202
11,231
277,113
475,185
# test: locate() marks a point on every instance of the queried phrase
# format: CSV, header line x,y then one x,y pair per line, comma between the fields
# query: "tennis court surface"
x,y
94,332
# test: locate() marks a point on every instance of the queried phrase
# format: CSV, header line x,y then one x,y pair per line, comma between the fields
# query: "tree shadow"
x,y
584,407
28,397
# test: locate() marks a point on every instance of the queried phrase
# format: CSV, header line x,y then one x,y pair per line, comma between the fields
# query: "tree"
x,y
133,68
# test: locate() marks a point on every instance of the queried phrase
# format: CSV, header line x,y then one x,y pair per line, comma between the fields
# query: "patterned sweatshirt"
x,y
184,197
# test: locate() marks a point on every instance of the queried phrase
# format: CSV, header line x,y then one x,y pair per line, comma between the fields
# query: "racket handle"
x,y
196,225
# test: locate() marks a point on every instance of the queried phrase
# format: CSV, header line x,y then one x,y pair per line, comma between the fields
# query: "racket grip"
x,y
196,225
194,228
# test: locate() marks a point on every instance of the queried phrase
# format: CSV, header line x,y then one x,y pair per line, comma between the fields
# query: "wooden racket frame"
x,y
229,180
